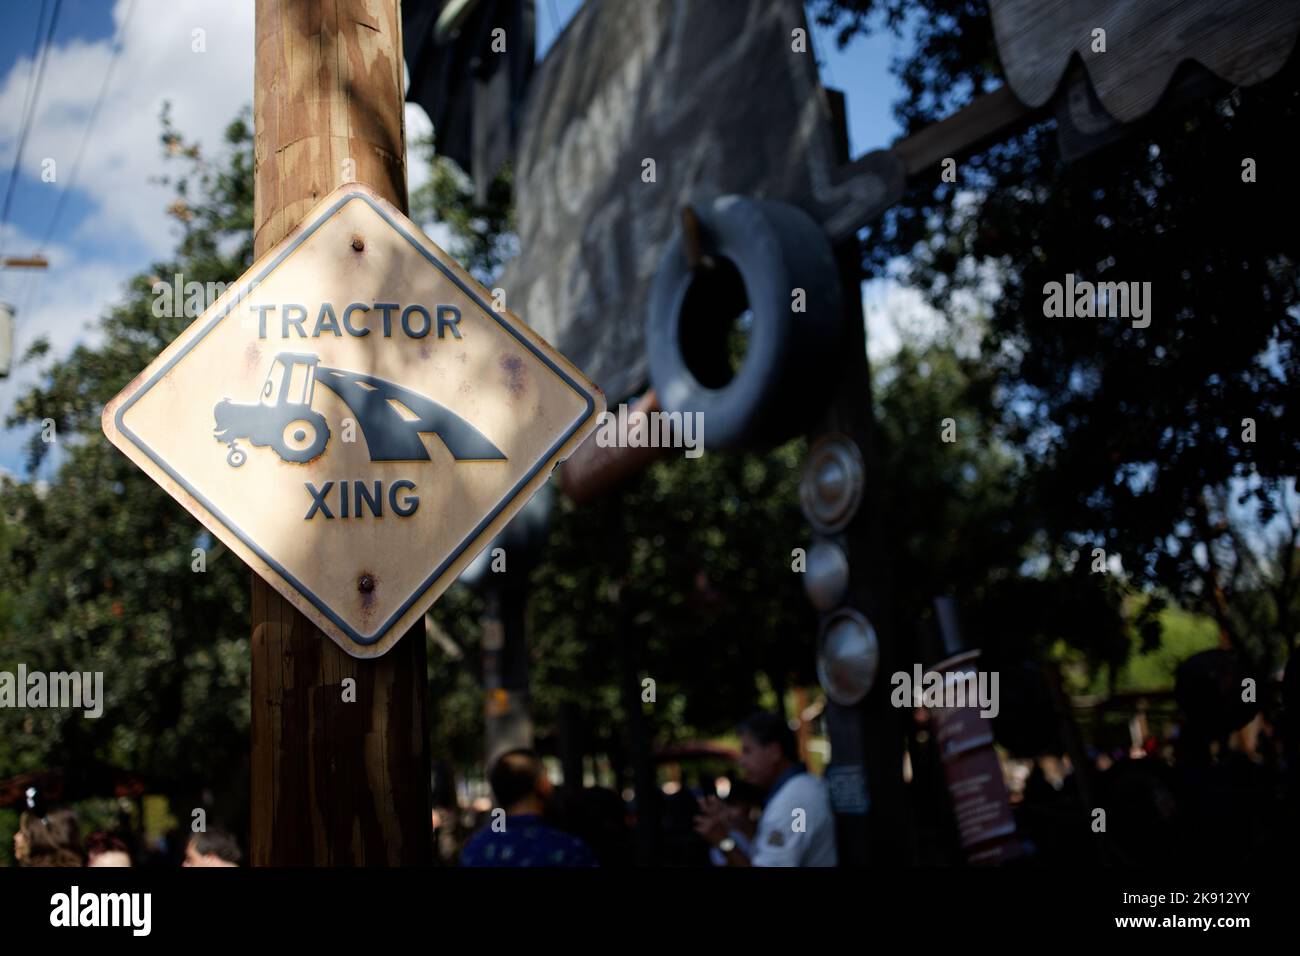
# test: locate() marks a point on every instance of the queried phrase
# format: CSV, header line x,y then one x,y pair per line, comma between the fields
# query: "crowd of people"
x,y
780,816
52,837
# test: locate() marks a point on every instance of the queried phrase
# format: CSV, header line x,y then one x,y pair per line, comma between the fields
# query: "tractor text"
x,y
415,321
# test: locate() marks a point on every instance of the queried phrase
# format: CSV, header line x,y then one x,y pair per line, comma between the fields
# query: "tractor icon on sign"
x,y
282,418
392,417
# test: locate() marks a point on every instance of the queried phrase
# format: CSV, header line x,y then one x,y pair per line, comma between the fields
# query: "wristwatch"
x,y
726,844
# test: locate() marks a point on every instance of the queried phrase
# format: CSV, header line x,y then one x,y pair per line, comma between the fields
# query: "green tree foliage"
x,y
956,520
97,563
693,562
1131,437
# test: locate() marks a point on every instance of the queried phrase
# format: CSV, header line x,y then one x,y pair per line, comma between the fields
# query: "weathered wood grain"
x,y
1241,41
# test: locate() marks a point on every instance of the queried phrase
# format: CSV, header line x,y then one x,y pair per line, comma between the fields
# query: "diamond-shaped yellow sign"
x,y
356,418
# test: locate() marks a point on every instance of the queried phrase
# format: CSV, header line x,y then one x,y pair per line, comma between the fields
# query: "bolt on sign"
x,y
354,419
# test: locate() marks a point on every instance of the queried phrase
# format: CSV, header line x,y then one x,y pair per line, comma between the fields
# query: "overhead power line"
x,y
71,181
30,116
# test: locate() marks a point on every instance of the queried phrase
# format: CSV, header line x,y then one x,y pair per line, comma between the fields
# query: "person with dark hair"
x,y
47,837
515,834
215,847
797,827
104,849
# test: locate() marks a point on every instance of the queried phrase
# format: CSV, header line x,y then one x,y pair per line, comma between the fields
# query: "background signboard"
x,y
722,97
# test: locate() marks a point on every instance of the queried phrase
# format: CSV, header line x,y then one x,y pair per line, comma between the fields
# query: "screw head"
x,y
358,243
365,584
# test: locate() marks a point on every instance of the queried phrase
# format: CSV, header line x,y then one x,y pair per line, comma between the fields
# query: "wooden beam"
x,y
593,470
985,119
26,262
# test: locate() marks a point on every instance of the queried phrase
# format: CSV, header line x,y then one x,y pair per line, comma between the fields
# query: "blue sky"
x,y
113,224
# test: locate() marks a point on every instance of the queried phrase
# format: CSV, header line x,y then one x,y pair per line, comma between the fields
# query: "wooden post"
x,y
333,782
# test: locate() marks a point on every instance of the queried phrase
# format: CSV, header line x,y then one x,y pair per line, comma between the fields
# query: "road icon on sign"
x,y
381,421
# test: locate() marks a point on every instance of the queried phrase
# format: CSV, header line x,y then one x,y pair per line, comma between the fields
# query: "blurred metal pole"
x,y
639,742
507,721
869,735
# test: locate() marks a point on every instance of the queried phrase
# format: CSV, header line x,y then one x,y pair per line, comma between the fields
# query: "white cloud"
x,y
157,64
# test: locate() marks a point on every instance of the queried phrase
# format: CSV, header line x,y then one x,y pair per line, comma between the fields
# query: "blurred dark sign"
x,y
973,771
722,97
472,88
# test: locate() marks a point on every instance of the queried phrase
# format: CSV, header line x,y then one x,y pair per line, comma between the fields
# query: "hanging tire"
x,y
761,251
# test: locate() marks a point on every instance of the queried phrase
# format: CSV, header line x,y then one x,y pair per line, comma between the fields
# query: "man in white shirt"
x,y
797,827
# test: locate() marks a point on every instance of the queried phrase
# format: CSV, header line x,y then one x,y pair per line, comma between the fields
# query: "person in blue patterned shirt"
x,y
516,834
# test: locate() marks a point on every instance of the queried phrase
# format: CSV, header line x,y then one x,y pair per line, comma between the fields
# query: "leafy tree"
x,y
1133,438
98,561
694,562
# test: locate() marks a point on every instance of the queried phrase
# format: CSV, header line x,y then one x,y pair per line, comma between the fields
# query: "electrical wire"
x,y
27,120
71,181
27,102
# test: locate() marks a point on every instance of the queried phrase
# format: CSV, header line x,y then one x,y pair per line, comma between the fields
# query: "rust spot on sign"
x,y
513,366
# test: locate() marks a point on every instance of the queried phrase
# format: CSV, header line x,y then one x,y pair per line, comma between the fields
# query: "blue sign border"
x,y
478,530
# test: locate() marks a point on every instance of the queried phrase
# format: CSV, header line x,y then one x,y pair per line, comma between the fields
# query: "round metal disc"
x,y
827,576
831,487
848,658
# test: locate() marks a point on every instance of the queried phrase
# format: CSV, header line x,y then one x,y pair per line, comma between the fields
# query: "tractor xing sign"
x,y
354,420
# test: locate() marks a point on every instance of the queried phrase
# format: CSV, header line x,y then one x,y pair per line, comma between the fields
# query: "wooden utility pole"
x,y
333,782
